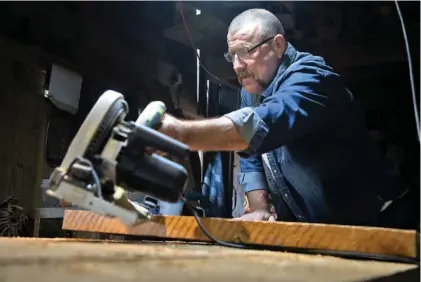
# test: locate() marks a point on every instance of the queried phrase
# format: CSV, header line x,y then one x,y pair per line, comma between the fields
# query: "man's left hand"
x,y
172,127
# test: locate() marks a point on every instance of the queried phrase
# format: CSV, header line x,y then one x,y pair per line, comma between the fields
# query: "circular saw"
x,y
109,156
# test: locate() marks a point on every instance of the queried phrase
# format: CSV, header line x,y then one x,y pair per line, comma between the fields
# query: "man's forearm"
x,y
219,134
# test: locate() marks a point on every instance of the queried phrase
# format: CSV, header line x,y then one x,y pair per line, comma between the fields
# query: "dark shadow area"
x,y
412,275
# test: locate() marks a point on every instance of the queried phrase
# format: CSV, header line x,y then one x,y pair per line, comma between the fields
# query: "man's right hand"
x,y
259,215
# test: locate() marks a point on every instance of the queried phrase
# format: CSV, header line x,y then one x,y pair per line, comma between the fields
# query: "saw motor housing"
x,y
109,156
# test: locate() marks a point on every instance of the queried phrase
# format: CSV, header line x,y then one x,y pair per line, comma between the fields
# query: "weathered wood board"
x,y
317,236
49,260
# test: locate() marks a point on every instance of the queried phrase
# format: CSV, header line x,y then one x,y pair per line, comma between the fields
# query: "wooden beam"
x,y
202,28
288,234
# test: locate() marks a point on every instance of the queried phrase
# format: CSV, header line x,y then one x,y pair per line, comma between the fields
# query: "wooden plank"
x,y
318,236
24,259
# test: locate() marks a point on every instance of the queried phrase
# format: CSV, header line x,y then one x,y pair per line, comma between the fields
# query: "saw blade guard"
x,y
107,149
108,111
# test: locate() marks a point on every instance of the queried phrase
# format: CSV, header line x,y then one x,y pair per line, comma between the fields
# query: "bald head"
x,y
269,25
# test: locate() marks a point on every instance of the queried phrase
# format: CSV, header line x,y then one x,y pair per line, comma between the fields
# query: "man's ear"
x,y
279,44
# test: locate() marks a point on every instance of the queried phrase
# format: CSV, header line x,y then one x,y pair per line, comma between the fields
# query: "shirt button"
x,y
275,171
286,196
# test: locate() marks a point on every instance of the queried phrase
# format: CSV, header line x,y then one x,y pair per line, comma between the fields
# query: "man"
x,y
298,133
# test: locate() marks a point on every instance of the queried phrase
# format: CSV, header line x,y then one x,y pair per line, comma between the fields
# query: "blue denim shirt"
x,y
322,163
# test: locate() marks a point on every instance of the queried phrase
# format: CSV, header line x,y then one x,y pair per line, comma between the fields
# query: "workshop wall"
x,y
74,35
22,125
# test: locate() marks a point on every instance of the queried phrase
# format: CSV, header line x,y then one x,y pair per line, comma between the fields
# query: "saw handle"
x,y
144,136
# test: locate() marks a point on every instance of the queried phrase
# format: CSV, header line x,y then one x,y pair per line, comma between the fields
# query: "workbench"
x,y
69,260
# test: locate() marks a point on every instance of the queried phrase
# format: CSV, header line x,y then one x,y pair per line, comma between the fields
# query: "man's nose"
x,y
237,64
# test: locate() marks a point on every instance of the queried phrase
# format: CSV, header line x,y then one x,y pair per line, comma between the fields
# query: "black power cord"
x,y
411,74
343,254
301,250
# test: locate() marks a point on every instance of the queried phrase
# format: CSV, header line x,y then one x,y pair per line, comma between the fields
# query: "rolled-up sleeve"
x,y
303,99
250,126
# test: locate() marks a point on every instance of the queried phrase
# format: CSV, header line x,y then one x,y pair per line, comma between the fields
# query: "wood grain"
x,y
64,260
318,236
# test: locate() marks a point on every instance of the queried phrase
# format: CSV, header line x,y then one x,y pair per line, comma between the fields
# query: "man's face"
x,y
255,70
